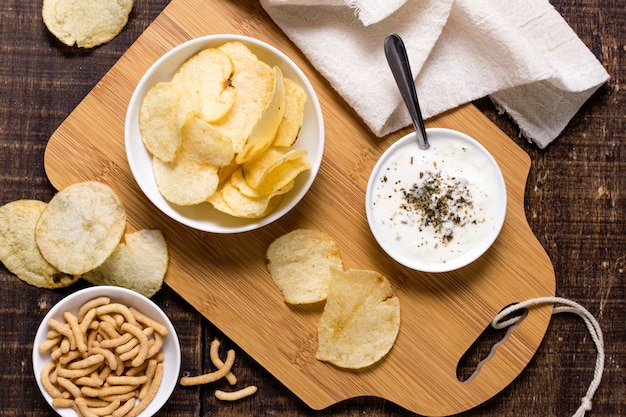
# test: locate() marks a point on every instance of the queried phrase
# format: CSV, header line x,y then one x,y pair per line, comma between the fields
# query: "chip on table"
x,y
85,23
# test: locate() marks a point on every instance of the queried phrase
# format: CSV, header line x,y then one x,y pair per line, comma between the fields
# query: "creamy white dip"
x,y
436,205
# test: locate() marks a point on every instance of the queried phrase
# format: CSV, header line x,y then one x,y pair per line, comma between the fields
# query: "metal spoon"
x,y
399,64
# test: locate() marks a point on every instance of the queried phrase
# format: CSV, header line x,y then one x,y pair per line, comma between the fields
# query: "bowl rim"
x,y
475,252
129,297
183,214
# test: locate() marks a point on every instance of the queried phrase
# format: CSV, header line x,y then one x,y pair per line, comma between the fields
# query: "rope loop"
x,y
505,319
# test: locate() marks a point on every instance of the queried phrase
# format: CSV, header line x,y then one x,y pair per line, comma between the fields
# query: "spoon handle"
x,y
399,64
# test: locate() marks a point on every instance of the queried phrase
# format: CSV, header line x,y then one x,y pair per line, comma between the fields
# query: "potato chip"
x,y
80,227
255,171
299,263
289,127
164,110
248,208
283,175
85,23
184,181
239,182
242,205
209,72
360,321
18,248
264,131
253,81
138,263
205,144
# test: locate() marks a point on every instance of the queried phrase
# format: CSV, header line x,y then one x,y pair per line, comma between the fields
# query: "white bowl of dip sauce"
x,y
438,209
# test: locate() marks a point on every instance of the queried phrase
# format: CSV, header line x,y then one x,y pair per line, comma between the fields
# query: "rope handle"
x,y
501,321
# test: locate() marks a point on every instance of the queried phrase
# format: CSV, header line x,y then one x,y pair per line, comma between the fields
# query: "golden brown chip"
x,y
242,205
85,23
299,263
209,72
264,130
283,175
18,248
361,319
164,110
205,144
247,209
289,128
139,264
184,181
257,170
239,182
80,227
253,82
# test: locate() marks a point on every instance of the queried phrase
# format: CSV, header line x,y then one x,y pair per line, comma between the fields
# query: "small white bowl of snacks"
x,y
76,363
224,133
436,209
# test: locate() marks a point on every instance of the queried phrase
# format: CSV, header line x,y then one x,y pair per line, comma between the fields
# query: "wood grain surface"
x,y
225,278
573,201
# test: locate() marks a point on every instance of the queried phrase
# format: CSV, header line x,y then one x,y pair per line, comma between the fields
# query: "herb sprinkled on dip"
x,y
438,204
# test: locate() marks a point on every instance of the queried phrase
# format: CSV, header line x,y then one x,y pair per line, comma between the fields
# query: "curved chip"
x,y
293,117
85,23
164,110
299,263
209,72
138,263
239,182
18,249
253,82
242,205
184,181
205,144
249,207
80,227
360,321
262,134
257,170
283,175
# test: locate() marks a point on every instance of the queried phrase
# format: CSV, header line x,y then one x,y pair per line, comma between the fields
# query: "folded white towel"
x,y
521,53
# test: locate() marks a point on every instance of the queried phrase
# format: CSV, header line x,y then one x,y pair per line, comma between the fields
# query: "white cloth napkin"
x,y
521,53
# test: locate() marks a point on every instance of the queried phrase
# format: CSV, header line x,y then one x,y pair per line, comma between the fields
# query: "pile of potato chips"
x,y
80,233
222,131
361,317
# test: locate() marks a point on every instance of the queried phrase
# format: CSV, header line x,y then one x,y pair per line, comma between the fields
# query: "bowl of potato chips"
x,y
106,350
224,133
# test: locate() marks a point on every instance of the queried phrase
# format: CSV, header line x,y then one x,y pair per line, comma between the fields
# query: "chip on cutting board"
x,y
80,227
18,248
138,263
360,321
85,23
299,263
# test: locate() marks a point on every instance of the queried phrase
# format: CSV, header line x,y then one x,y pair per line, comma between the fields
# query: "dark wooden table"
x,y
575,201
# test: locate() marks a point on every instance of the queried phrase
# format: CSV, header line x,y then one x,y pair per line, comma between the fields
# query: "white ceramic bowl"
x,y
396,221
171,346
204,216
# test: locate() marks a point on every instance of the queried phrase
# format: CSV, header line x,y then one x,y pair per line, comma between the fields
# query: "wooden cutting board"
x,y
224,277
